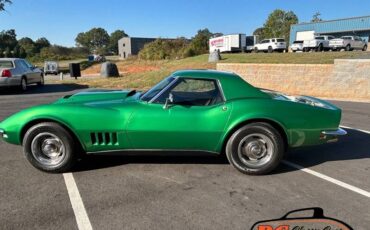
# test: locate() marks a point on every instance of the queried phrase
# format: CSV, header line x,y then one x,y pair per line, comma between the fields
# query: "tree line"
x,y
96,40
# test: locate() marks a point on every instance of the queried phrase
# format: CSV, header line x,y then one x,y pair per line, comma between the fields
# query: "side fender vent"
x,y
101,138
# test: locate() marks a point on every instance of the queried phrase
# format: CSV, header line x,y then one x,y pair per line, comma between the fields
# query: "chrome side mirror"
x,y
169,101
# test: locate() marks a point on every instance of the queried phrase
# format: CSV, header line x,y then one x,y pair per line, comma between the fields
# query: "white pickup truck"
x,y
319,43
348,43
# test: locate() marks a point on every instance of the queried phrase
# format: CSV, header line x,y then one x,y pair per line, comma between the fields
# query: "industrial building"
x,y
357,26
128,46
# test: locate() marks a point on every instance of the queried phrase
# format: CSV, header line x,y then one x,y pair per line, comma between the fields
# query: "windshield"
x,y
298,42
156,89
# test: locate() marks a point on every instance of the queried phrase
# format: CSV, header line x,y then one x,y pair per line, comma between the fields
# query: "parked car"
x,y
319,43
20,73
297,46
271,45
348,43
51,67
191,110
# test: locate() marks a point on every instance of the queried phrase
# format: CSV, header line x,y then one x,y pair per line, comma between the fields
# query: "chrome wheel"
x,y
255,150
48,149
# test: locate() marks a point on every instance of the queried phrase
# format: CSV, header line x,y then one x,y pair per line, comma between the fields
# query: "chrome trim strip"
x,y
338,132
221,89
164,89
153,150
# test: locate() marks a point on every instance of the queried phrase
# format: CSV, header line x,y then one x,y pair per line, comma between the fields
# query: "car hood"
x,y
97,96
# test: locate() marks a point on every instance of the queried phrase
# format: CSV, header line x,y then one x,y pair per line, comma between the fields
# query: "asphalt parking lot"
x,y
156,192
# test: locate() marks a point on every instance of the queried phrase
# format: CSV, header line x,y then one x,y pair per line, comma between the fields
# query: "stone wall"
x,y
347,79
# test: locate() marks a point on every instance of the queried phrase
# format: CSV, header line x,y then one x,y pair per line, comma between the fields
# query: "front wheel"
x,y
270,50
49,147
255,149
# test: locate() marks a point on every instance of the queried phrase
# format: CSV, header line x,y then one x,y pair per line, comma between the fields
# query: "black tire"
x,y
247,134
47,136
320,48
365,48
270,50
348,47
23,85
42,81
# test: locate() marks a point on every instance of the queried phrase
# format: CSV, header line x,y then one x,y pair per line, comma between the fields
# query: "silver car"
x,y
20,73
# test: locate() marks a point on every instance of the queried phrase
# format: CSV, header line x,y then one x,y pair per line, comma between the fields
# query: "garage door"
x,y
305,35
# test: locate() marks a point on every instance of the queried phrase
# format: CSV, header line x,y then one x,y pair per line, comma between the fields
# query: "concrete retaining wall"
x,y
347,79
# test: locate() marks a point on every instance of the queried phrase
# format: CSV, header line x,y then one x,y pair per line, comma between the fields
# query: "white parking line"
x,y
78,207
361,130
330,179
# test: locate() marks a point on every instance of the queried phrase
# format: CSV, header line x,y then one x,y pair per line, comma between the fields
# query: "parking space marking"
x,y
361,130
83,221
328,178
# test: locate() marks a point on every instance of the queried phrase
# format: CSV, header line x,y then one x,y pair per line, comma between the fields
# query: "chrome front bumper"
x,y
332,135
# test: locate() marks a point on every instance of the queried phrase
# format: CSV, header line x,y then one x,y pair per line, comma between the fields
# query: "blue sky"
x,y
61,20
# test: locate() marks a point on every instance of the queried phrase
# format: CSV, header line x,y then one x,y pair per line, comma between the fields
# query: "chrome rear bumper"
x,y
3,134
332,135
338,132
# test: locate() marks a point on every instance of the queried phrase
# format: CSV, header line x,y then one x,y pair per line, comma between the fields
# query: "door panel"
x,y
178,127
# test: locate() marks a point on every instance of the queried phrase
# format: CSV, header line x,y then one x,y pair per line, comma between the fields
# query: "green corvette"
x,y
191,110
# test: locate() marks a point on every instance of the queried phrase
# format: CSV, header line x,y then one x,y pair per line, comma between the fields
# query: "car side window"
x,y
21,64
193,92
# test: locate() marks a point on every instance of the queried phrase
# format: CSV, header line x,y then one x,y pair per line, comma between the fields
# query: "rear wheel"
x,y
255,149
348,47
42,81
23,85
49,147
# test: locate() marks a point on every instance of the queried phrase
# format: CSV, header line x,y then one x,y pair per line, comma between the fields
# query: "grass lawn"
x,y
140,74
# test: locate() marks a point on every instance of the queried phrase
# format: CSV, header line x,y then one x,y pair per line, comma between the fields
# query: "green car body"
x,y
105,121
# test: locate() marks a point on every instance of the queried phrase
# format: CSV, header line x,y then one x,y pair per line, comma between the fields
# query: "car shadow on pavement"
x,y
47,88
98,162
353,146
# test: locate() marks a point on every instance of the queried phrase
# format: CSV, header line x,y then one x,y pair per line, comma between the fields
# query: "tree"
x,y
28,45
113,40
316,17
200,42
2,4
41,43
8,38
259,32
96,39
278,24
